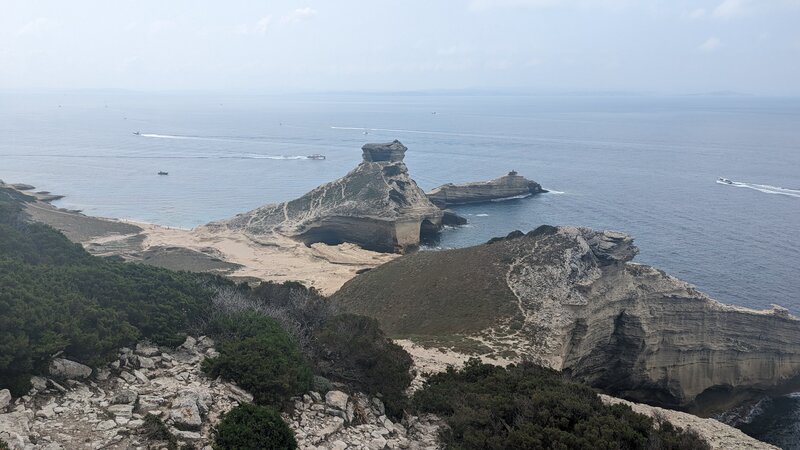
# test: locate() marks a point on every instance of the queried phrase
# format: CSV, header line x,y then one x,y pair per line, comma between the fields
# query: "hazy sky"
x,y
670,46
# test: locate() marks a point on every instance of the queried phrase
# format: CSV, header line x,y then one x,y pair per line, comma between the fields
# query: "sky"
x,y
637,46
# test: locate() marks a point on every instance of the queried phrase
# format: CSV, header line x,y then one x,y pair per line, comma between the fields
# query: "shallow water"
x,y
644,165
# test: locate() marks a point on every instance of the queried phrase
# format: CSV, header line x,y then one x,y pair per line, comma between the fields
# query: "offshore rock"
x,y
506,187
571,299
377,206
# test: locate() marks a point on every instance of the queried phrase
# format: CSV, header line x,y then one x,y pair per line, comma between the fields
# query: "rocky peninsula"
x,y
509,186
377,206
571,299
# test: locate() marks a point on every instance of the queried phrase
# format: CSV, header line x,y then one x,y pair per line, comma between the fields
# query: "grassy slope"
x,y
448,294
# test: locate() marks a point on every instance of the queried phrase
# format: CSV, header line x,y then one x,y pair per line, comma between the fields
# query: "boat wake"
x,y
765,188
513,197
180,156
170,136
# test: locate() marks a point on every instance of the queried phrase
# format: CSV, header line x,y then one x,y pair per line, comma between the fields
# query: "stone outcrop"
x,y
5,399
506,187
571,299
70,370
377,206
109,409
339,421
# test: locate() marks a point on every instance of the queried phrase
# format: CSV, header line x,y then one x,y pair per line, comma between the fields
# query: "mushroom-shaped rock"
x,y
377,206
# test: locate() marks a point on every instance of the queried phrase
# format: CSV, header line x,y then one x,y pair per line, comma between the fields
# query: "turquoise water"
x,y
644,165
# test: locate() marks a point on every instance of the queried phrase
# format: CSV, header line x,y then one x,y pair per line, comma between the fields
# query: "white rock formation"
x,y
377,206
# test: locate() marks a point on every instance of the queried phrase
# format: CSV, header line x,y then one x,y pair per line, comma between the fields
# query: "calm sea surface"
x,y
644,165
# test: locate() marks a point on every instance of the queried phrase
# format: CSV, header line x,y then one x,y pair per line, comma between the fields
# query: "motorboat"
x,y
724,180
316,156
163,173
136,133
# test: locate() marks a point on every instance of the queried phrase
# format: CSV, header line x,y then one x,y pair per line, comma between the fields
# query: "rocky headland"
x,y
571,299
377,206
234,254
509,186
568,298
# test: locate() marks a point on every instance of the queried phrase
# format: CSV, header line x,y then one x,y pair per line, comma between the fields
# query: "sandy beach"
x,y
231,253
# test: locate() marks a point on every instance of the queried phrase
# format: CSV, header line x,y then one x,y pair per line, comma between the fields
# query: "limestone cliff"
x,y
377,206
571,299
508,186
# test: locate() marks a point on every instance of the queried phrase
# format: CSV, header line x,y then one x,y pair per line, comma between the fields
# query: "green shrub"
x,y
54,296
352,349
257,354
250,426
154,429
4,445
528,406
343,348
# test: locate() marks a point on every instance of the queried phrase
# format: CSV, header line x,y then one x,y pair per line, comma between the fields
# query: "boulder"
x,y
145,349
336,399
5,399
124,396
39,383
105,425
67,369
15,428
188,408
121,410
189,343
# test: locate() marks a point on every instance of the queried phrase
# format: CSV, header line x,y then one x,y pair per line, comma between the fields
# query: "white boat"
x,y
316,156
724,180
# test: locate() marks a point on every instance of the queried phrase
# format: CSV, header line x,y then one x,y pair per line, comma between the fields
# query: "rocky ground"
x,y
80,408
339,421
114,407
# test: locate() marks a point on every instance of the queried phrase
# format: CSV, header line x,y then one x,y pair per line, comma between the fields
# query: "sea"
x,y
642,164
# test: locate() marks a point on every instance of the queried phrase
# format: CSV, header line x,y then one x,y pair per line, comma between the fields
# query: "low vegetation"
x,y
260,356
528,406
343,348
253,427
56,297
155,430
353,349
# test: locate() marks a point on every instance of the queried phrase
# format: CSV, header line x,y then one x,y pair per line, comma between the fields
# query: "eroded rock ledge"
x,y
506,187
571,299
377,206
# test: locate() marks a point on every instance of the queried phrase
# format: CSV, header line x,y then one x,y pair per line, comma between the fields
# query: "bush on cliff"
x,y
528,406
344,348
54,296
260,356
353,349
253,427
